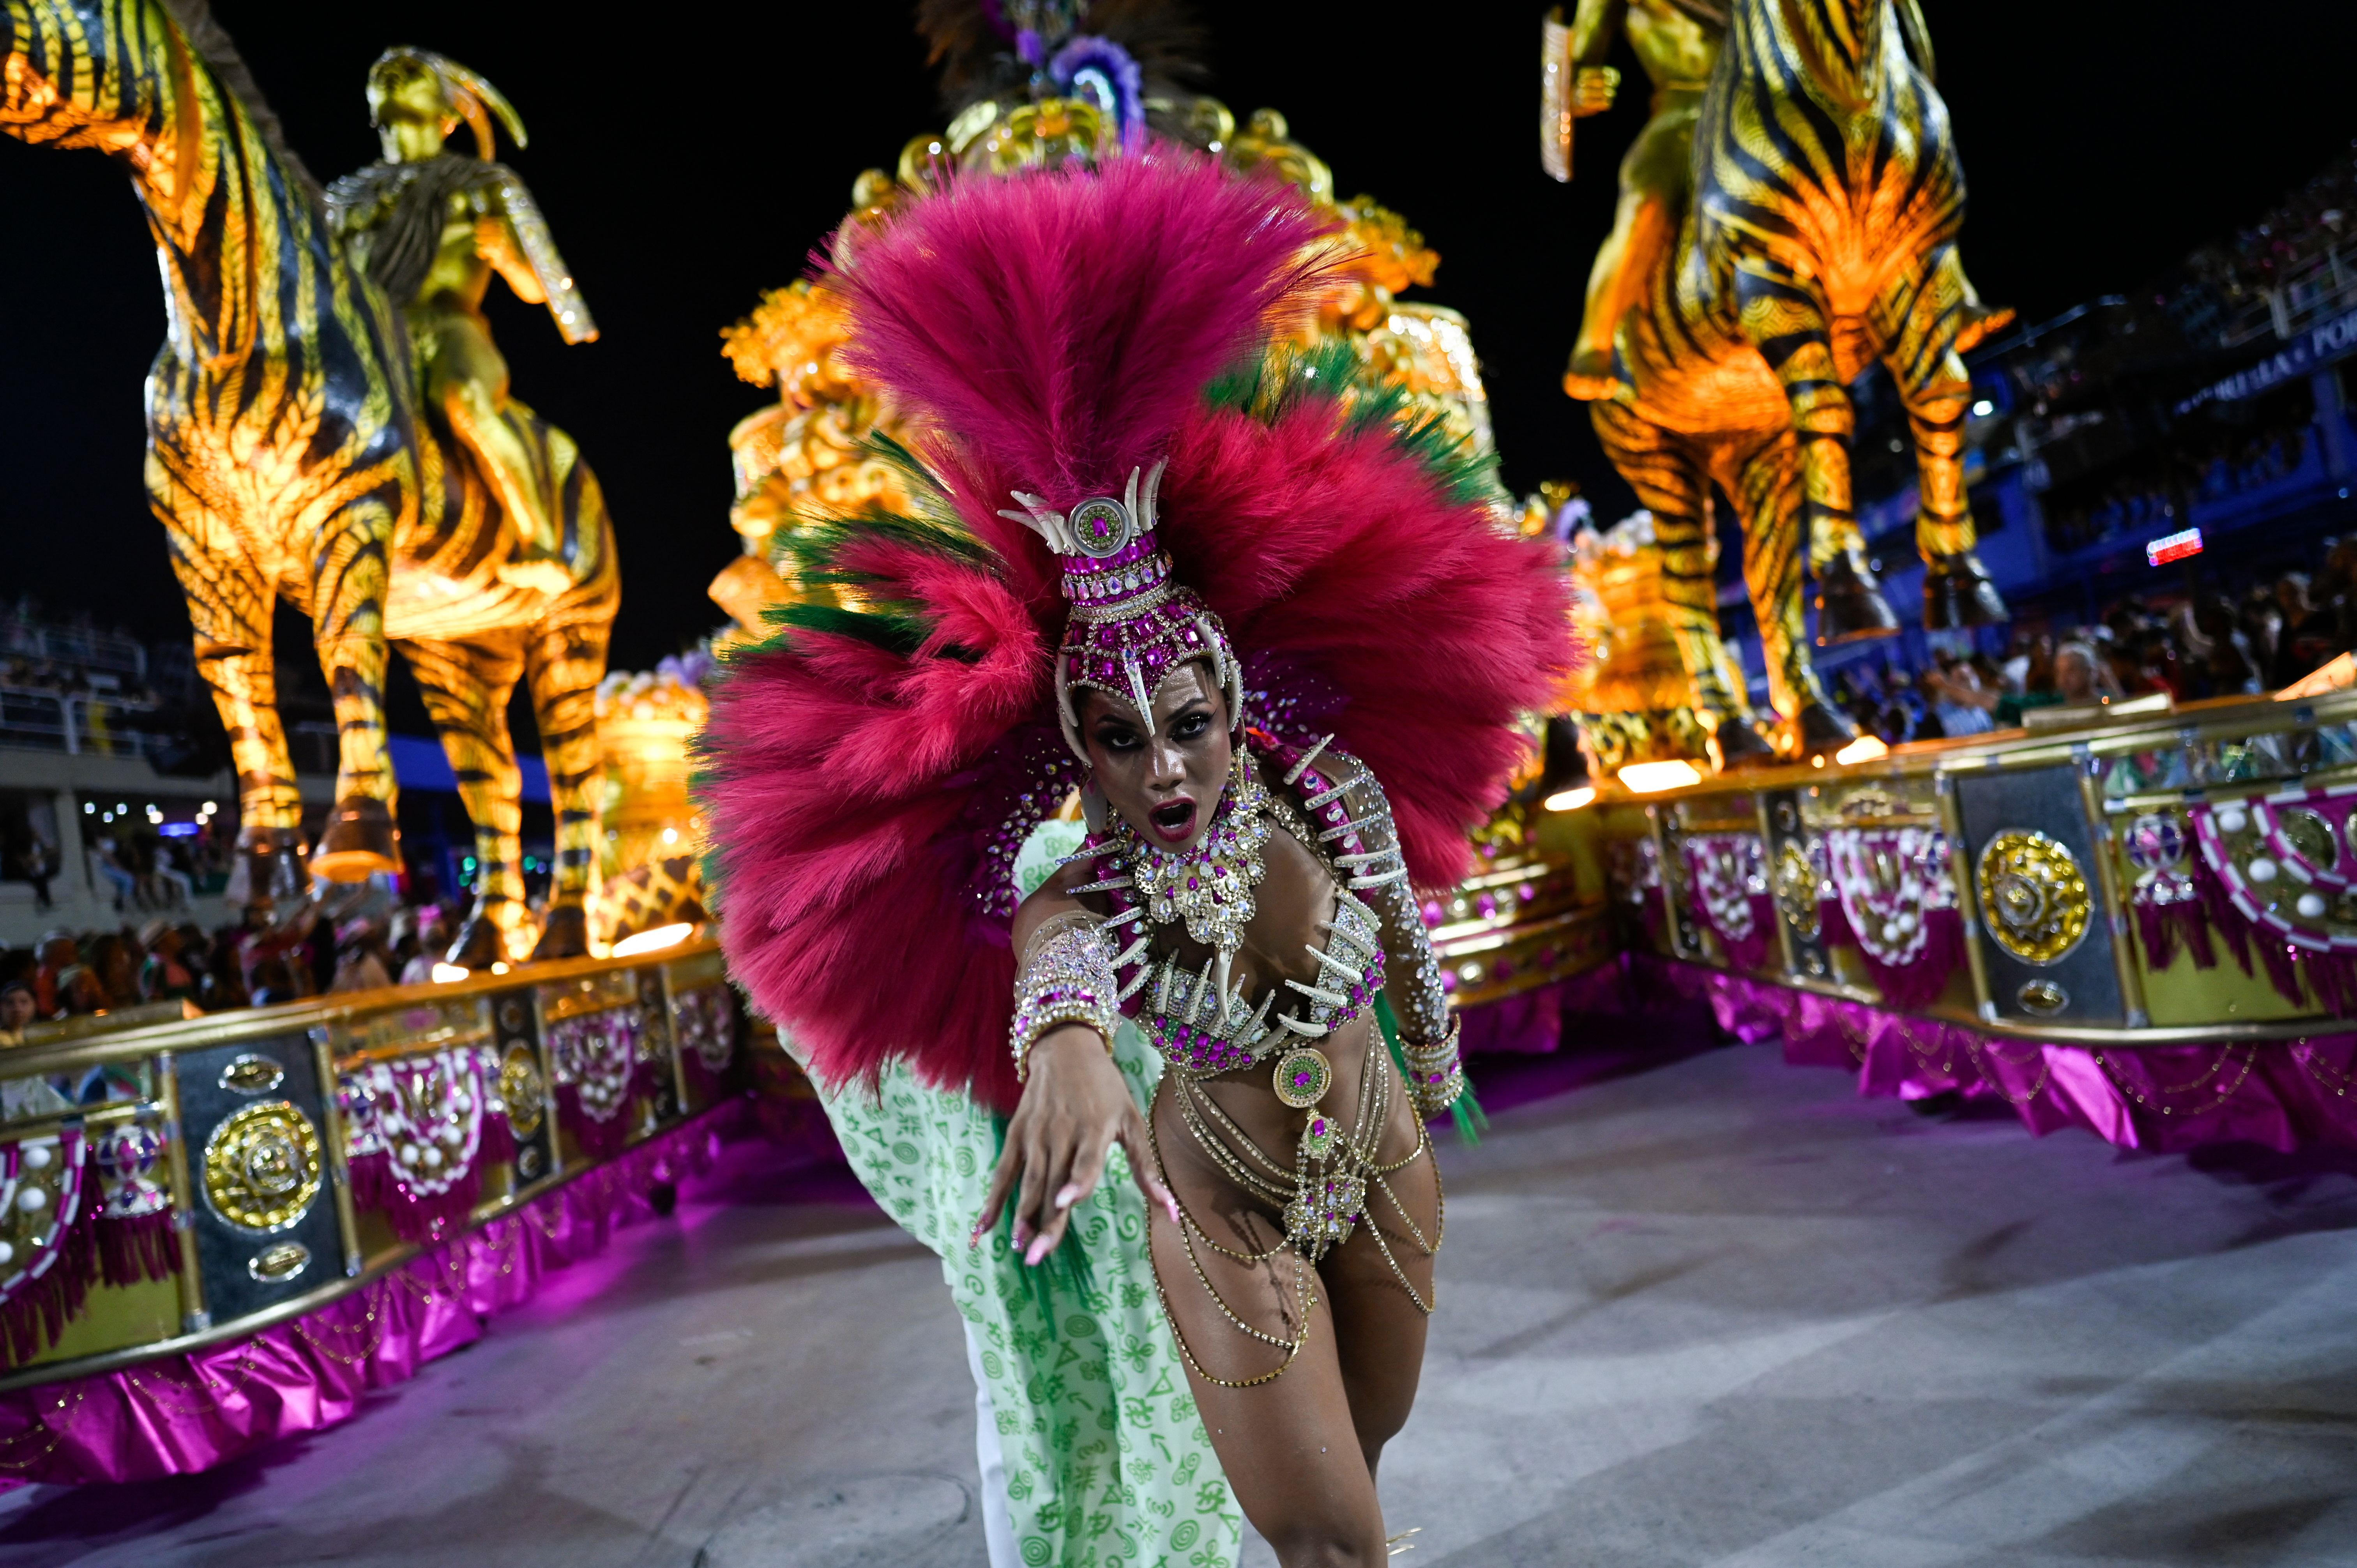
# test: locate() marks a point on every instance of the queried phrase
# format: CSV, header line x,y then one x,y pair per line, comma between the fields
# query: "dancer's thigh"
x,y
1379,1328
1289,1445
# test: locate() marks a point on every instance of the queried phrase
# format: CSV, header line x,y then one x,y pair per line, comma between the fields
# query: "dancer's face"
x,y
1166,784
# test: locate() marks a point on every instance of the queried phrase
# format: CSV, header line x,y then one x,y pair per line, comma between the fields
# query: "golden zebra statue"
x,y
287,457
1820,236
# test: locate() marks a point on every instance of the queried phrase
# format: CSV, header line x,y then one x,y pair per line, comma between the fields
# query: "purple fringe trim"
x,y
2282,1094
142,1249
1906,985
377,1185
2329,976
32,1318
91,1250
1751,951
184,1414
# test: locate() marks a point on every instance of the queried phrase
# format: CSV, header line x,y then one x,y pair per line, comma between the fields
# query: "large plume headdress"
x,y
1059,327
1064,334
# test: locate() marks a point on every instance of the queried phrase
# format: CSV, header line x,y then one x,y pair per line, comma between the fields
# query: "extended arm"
x,y
1594,28
511,235
1076,1105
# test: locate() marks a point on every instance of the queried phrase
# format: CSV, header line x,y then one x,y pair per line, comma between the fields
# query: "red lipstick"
x,y
1173,821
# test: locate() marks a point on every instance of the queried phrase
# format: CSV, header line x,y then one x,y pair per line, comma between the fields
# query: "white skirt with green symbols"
x,y
1106,1460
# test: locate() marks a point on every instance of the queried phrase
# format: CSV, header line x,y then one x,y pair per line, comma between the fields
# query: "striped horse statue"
x,y
288,457
1820,237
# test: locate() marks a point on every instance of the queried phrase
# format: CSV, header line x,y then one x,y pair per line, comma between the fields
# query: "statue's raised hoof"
x,y
1740,745
1822,731
567,935
1849,607
1593,377
358,841
481,942
273,866
1957,592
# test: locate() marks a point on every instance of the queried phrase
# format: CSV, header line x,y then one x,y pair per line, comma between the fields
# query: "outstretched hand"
x,y
1075,1107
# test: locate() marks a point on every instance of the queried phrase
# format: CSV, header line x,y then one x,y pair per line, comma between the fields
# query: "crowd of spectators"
x,y
2212,643
253,963
2145,503
2307,227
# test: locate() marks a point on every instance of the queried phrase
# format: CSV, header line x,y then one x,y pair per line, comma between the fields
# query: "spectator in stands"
x,y
17,1011
57,953
225,981
113,958
35,864
433,941
272,979
2307,635
363,962
2262,623
2217,647
164,976
104,867
79,993
197,958
2083,677
261,944
1959,697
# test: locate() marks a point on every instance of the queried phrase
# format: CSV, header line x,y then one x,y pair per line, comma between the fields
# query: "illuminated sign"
x,y
2173,547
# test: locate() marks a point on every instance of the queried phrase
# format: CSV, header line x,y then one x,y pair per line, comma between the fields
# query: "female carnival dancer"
x,y
1222,593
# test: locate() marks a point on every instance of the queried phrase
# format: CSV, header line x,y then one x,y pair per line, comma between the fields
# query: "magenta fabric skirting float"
x,y
2284,1094
181,1413
1529,1023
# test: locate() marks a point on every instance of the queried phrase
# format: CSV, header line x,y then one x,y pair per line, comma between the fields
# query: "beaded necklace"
x,y
1200,1022
1203,1026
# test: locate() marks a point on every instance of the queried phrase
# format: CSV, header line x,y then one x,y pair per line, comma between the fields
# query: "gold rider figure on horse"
x,y
1677,42
430,226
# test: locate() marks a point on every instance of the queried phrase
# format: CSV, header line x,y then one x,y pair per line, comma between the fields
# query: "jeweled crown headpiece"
x,y
1058,326
1131,623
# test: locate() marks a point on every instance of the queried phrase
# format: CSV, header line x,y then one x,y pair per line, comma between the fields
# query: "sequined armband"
x,y
1067,978
1436,1075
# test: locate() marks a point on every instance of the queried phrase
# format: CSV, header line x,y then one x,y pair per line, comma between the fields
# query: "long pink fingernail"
x,y
1069,1196
1039,1250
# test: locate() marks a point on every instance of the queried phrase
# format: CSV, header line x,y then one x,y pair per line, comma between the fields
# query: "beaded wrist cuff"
x,y
1436,1075
1067,978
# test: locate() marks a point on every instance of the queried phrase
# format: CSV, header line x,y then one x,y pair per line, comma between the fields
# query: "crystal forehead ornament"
x,y
1131,623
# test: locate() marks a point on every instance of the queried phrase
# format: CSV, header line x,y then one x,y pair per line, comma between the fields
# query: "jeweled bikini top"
x,y
1200,1023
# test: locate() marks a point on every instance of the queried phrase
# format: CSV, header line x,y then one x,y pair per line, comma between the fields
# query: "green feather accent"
x,y
1287,377
1065,1271
810,547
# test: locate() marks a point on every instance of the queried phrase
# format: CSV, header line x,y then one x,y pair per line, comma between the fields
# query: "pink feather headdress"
x,y
1055,337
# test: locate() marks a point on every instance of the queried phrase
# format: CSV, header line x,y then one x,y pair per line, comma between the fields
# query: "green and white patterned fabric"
x,y
1106,1462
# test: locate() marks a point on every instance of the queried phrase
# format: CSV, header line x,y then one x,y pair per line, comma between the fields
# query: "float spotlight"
x,y
1565,782
653,940
449,973
1652,778
1864,748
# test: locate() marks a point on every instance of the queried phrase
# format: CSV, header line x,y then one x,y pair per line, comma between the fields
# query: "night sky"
x,y
691,161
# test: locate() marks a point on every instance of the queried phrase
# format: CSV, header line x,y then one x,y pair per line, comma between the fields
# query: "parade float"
x,y
2132,918
1529,919
1748,281
2141,923
219,1229
329,424
224,1230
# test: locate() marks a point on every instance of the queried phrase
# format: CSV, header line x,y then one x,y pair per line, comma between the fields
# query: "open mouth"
x,y
1173,821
